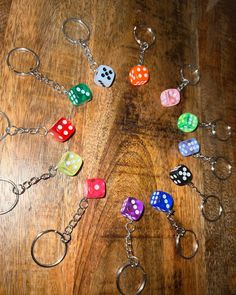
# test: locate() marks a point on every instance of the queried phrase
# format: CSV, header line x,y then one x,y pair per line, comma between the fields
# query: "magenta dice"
x,y
132,208
170,97
62,130
95,188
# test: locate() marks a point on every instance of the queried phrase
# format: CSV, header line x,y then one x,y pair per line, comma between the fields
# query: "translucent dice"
x,y
162,201
80,94
94,188
132,208
104,76
181,175
62,130
189,147
187,122
170,97
138,75
70,163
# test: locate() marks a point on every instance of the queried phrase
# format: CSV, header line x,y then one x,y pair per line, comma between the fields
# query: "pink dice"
x,y
132,208
62,130
94,188
170,97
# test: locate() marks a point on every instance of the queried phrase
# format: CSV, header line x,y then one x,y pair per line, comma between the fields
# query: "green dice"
x,y
80,94
187,122
70,163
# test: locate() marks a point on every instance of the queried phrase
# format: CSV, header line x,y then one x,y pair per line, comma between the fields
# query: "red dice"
x,y
95,188
62,130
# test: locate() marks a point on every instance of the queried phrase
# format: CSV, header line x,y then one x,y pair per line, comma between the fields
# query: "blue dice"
x,y
162,201
189,147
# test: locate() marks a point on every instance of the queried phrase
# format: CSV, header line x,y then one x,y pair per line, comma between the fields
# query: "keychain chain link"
x,y
182,85
204,158
51,83
133,260
87,52
13,130
194,188
83,205
21,188
180,231
143,46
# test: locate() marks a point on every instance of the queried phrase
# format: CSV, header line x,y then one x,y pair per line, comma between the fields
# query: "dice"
x,y
162,201
170,97
94,188
189,147
62,130
138,75
132,208
187,122
104,76
70,163
80,94
181,175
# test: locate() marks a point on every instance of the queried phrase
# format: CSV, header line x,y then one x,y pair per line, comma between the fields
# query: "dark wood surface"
x,y
123,135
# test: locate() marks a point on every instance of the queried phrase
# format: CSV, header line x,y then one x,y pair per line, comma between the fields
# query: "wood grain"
x,y
123,135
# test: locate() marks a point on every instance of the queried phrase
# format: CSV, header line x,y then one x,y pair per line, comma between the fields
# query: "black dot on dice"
x,y
109,78
104,69
107,73
110,72
102,75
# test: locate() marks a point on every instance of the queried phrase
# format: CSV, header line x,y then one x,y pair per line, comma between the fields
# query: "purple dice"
x,y
132,208
189,147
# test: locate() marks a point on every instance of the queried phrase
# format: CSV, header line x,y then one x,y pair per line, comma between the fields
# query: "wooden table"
x,y
125,136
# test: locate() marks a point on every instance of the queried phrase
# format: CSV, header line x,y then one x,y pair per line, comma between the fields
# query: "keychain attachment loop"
x,y
16,195
122,269
178,244
5,134
59,260
214,127
217,171
194,77
23,50
144,44
203,208
81,24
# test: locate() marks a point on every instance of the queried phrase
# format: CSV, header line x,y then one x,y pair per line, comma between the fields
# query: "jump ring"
x,y
79,22
120,271
216,171
179,248
149,30
194,72
16,196
23,49
226,127
220,210
59,260
2,136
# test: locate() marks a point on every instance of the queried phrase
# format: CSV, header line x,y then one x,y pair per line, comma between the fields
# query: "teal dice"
x,y
187,122
80,94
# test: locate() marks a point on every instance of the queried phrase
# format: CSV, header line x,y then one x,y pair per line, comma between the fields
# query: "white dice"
x,y
104,76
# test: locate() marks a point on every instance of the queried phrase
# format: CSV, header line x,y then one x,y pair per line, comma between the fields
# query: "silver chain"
x,y
194,188
87,52
203,158
21,188
133,260
53,84
180,231
143,46
182,85
209,125
13,130
83,205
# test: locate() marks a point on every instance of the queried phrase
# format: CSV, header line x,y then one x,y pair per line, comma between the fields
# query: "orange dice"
x,y
138,75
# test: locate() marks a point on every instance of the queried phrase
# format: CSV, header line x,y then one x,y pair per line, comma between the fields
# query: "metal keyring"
x,y
220,211
215,171
16,195
195,71
122,268
82,24
178,244
214,130
59,260
142,42
23,49
8,125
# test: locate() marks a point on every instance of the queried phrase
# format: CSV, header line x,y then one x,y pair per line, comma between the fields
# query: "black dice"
x,y
181,175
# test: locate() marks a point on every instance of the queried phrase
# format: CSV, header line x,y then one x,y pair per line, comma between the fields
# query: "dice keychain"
x,y
78,94
62,130
139,74
164,202
181,175
69,164
132,209
94,188
219,129
191,147
171,97
104,75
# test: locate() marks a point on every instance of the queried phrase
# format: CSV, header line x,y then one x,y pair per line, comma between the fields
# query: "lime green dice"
x,y
187,122
80,94
70,163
